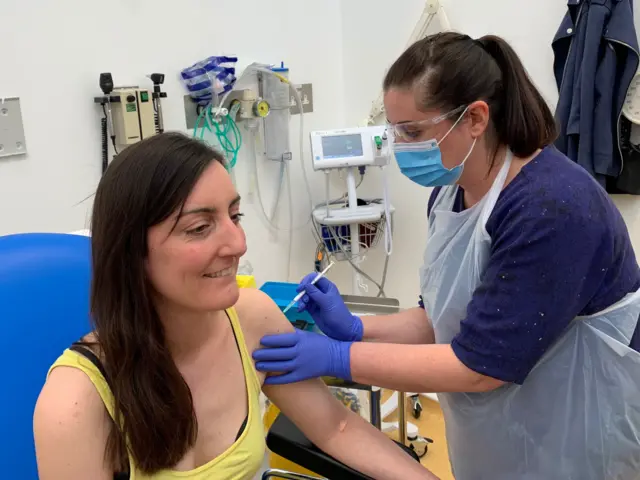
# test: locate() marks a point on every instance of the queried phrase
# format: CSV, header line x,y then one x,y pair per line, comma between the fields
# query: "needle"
x,y
313,282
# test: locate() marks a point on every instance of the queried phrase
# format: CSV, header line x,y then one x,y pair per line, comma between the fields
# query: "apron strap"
x,y
496,189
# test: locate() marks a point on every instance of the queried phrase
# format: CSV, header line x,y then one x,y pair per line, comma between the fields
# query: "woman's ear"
x,y
478,114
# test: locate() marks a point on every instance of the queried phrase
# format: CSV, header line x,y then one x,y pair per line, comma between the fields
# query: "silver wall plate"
x,y
306,97
12,140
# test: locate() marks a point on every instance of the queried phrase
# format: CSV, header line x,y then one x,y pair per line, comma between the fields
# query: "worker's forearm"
x,y
369,451
407,327
415,368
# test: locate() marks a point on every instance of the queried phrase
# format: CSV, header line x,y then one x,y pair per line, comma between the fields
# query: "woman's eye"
x,y
199,230
236,217
413,133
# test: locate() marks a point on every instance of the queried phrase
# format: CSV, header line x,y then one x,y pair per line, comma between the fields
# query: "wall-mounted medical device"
x,y
276,90
131,113
350,147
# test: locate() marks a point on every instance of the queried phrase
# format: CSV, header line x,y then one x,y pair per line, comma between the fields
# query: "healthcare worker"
x,y
527,327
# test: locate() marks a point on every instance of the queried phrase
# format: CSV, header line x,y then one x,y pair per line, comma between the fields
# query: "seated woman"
x,y
165,388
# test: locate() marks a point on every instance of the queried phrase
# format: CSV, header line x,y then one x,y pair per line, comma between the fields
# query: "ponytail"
x,y
450,70
526,123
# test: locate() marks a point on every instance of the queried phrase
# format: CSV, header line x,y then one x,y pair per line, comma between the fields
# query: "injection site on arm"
x,y
333,428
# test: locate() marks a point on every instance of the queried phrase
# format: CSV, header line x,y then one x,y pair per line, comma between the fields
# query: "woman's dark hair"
x,y
154,411
450,70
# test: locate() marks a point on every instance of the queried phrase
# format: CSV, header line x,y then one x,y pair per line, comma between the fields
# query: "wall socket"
x,y
305,91
12,141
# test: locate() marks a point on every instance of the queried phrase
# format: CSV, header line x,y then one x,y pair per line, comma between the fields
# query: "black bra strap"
x,y
89,355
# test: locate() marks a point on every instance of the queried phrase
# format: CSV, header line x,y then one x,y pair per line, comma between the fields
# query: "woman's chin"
x,y
223,297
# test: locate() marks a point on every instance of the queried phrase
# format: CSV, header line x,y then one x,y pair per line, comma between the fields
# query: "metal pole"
x,y
374,407
402,421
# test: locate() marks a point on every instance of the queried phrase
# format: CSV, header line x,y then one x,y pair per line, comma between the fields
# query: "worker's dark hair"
x,y
153,406
449,70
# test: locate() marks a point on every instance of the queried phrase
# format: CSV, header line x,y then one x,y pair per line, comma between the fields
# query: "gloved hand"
x,y
301,355
326,307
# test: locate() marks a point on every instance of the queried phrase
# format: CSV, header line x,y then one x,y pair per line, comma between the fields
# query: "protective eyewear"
x,y
412,131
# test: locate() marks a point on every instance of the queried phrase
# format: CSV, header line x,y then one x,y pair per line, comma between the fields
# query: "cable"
x,y
341,201
354,266
388,241
384,277
299,104
270,219
257,185
156,117
105,141
258,68
276,200
302,165
105,144
224,128
349,257
288,167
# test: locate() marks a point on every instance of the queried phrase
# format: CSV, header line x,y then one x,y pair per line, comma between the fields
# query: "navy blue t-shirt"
x,y
559,249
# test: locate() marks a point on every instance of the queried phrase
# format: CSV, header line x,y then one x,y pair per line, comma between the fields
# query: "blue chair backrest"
x,y
44,307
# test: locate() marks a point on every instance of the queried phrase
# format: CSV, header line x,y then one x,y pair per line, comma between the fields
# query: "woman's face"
x,y
401,108
194,265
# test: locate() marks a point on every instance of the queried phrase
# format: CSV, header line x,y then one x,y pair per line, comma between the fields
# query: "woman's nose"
x,y
235,242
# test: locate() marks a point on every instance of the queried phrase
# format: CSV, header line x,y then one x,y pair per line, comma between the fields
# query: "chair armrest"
x,y
275,473
286,440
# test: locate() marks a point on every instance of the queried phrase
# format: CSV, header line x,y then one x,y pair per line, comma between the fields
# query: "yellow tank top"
x,y
241,461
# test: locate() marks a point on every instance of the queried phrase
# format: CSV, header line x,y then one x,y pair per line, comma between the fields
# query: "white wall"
x,y
53,52
374,34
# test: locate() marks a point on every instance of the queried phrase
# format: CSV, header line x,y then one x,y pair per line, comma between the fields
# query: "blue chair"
x,y
44,307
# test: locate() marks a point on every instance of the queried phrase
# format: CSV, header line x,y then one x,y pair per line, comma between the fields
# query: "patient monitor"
x,y
350,147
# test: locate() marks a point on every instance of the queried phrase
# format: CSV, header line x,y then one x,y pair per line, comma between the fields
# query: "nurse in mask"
x,y
527,321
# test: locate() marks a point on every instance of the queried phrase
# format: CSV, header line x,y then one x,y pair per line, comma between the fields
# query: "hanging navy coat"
x,y
596,57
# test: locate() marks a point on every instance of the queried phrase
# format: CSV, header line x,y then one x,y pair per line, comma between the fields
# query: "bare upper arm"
x,y
260,315
294,399
70,426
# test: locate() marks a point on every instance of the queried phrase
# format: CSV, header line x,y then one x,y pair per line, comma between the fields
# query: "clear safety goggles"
x,y
414,131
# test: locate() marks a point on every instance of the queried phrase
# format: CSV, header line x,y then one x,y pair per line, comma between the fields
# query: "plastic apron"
x,y
577,415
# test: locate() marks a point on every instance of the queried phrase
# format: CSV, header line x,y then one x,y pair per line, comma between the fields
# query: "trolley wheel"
x,y
420,445
416,406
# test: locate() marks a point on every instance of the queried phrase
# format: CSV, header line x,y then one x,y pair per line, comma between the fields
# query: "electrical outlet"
x,y
12,141
305,91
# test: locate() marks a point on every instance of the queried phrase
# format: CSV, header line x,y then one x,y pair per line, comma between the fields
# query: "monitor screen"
x,y
339,146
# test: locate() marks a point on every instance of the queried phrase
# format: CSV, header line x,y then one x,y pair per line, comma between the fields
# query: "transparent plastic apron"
x,y
577,415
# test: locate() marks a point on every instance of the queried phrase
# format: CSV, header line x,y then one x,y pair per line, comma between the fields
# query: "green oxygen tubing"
x,y
224,128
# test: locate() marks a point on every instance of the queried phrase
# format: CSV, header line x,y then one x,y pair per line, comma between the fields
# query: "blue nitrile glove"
x,y
326,307
301,355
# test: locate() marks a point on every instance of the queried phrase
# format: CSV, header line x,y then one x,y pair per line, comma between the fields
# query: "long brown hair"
x,y
449,70
154,416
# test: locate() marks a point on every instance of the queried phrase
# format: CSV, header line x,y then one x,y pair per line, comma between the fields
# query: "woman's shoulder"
x,y
259,315
69,406
70,421
553,189
69,385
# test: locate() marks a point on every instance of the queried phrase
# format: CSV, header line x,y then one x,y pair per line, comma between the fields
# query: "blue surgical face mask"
x,y
421,162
